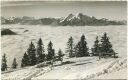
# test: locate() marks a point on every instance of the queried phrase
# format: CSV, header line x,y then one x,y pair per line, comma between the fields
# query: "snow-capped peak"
x,y
69,17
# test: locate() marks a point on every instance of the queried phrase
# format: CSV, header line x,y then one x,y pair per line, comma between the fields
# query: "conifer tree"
x,y
31,54
106,46
14,64
81,48
70,47
51,51
60,55
4,63
25,60
96,47
40,51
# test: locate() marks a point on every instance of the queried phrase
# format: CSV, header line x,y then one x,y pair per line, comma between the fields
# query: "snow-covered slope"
x,y
121,74
78,68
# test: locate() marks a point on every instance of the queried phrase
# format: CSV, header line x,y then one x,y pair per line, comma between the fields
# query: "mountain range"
x,y
70,20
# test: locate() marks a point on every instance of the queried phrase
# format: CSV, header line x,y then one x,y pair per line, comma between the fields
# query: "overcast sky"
x,y
111,10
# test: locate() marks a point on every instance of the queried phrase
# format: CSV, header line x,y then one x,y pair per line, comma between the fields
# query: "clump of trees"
x,y
35,55
103,47
78,50
4,65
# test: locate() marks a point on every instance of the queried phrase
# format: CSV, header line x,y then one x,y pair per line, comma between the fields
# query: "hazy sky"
x,y
107,9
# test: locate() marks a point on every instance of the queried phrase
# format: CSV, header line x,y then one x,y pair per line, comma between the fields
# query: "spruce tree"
x,y
70,47
106,46
51,52
81,48
40,51
31,54
60,55
25,60
4,63
96,47
14,64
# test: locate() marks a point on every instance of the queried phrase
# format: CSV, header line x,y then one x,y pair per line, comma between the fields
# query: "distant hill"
x,y
7,32
70,20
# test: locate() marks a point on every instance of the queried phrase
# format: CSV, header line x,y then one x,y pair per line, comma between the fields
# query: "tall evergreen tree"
x,y
14,64
51,51
4,63
60,55
25,60
81,48
31,54
40,51
96,47
106,46
70,47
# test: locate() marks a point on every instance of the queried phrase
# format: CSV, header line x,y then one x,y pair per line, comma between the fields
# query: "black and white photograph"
x,y
63,39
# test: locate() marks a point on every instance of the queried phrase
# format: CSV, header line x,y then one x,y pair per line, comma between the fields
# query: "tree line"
x,y
100,48
35,55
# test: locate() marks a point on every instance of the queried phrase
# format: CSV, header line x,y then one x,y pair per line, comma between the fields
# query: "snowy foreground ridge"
x,y
78,68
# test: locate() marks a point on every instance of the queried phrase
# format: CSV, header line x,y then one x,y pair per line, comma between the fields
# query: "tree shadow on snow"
x,y
81,63
65,63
